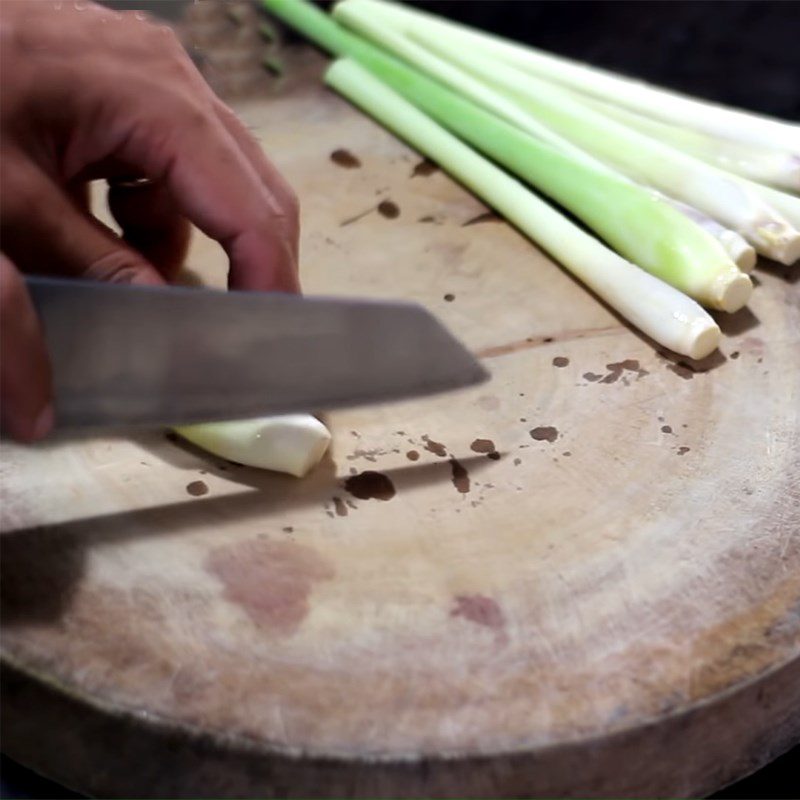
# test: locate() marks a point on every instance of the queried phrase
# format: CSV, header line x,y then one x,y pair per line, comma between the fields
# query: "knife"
x,y
135,355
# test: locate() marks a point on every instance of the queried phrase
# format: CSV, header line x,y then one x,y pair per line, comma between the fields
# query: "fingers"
x,y
151,224
270,177
26,411
45,230
217,187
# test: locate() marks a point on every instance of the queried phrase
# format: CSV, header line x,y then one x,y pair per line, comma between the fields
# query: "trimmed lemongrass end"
x,y
782,243
743,254
702,338
731,291
291,443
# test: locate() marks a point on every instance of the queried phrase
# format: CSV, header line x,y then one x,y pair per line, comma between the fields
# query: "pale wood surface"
x,y
613,611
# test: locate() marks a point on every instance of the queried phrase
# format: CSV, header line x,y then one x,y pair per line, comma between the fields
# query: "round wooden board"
x,y
611,607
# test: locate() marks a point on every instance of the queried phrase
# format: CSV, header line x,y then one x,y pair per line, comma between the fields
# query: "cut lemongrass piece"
x,y
763,165
740,252
717,120
292,443
731,200
634,220
666,315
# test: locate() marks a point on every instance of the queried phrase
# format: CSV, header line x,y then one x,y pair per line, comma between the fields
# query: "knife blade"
x,y
127,355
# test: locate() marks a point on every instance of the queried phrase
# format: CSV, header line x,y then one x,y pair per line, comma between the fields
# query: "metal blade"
x,y
126,355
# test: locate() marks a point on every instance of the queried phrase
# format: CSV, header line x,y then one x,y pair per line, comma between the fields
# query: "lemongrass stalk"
x,y
733,201
663,313
291,443
785,204
714,119
740,252
635,222
772,167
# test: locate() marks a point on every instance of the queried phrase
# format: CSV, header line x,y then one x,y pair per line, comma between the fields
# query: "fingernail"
x,y
44,422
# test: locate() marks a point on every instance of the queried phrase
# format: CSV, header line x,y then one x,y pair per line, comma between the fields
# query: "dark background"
x,y
744,53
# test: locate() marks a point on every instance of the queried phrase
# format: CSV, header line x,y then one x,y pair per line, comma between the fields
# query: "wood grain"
x,y
605,600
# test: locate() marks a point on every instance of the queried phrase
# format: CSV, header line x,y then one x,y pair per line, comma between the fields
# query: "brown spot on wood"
x,y
560,361
616,369
427,218
288,529
437,448
591,376
370,485
735,355
341,508
567,453
495,456
270,580
424,168
483,446
344,158
449,298
487,216
412,455
517,462
480,609
545,433
460,476
197,488
683,450
388,209
666,429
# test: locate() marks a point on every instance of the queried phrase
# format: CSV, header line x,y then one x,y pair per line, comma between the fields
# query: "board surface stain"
x,y
480,609
482,446
388,209
437,448
344,158
545,433
270,580
424,168
370,485
460,476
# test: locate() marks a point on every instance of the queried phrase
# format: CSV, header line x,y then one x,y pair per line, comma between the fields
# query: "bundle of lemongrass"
x,y
681,209
685,206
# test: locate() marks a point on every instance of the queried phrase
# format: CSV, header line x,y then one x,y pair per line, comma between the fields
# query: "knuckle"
x,y
117,266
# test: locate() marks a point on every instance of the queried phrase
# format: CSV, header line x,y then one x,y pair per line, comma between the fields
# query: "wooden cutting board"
x,y
582,578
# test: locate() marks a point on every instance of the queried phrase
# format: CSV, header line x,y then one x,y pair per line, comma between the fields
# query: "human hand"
x,y
88,93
